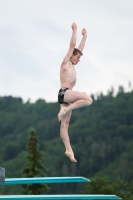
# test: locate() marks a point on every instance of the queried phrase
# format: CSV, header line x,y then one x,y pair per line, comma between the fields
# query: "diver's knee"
x,y
89,101
65,124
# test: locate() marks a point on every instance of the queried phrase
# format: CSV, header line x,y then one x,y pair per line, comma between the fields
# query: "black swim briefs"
x,y
61,95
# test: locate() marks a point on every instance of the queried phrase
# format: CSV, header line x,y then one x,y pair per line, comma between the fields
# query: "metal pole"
x,y
2,175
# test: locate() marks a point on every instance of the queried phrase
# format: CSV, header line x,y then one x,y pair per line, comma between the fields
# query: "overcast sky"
x,y
35,36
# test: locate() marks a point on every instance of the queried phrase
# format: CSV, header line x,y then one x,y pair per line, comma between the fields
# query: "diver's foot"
x,y
62,112
70,154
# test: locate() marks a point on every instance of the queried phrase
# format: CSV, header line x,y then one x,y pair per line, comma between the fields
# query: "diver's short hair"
x,y
76,51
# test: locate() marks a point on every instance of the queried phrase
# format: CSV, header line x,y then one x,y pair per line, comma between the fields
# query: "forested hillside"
x,y
101,136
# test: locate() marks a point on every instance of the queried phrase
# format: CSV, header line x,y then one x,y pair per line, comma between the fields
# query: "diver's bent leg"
x,y
77,99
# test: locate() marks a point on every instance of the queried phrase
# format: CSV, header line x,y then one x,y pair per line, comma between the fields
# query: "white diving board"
x,y
58,197
37,180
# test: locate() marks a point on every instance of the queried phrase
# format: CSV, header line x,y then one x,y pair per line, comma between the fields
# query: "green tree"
x,y
34,166
102,185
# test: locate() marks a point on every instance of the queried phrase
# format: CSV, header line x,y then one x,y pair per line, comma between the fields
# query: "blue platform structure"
x,y
58,197
38,180
35,180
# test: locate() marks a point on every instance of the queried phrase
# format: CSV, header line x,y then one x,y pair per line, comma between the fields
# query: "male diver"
x,y
67,97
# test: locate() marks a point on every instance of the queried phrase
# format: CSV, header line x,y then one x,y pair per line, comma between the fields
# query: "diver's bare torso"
x,y
67,75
